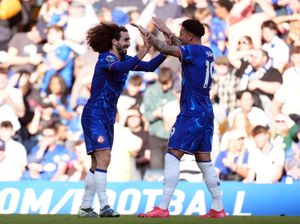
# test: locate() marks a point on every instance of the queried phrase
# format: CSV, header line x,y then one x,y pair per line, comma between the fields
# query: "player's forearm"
x,y
141,54
159,45
175,40
164,48
151,65
125,66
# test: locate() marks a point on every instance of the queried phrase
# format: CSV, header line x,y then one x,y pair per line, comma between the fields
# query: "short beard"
x,y
121,51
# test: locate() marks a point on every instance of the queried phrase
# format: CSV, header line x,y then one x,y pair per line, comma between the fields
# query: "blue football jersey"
x,y
197,68
106,88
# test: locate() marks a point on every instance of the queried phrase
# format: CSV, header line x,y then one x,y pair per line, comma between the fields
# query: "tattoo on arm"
x,y
175,40
165,48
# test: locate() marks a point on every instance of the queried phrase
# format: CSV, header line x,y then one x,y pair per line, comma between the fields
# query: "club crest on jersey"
x,y
172,132
100,139
109,58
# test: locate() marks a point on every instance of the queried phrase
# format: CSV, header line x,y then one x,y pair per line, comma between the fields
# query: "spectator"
x,y
57,97
83,72
132,94
264,80
74,126
240,57
206,41
284,131
292,20
125,148
11,101
48,160
62,135
24,50
10,16
166,9
286,98
232,163
43,117
135,122
220,24
172,108
59,59
246,106
292,160
267,160
31,100
155,98
277,49
225,84
13,154
81,17
240,123
247,19
54,12
79,164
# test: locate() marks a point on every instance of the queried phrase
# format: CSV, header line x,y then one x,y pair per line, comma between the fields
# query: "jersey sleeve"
x,y
111,62
151,65
186,55
107,59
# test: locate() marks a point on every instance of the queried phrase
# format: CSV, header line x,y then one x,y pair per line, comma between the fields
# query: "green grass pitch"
x,y
129,219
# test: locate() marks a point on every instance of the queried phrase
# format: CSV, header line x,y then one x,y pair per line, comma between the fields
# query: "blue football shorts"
x,y
192,135
97,134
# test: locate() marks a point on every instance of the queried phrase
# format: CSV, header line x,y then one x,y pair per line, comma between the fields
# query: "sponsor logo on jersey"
x,y
100,139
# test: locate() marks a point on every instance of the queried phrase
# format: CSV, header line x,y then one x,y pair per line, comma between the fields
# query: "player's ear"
x,y
114,42
190,36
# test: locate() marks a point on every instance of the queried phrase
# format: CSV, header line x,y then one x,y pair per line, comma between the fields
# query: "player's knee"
x,y
203,157
102,158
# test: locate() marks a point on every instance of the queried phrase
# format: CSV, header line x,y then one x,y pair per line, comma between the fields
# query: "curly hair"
x,y
100,37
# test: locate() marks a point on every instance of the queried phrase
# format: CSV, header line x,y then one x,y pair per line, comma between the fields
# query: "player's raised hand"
x,y
160,25
145,35
147,39
141,29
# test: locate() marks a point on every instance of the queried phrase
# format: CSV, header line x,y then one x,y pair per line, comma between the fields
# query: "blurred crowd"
x,y
46,70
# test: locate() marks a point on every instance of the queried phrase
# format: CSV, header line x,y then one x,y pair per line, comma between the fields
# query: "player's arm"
x,y
169,35
163,47
151,65
126,66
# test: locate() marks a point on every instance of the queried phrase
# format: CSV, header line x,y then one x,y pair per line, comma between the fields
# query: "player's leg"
x,y
86,209
103,159
212,182
202,150
171,178
99,138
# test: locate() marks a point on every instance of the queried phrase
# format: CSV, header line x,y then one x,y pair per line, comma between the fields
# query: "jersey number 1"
x,y
208,73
